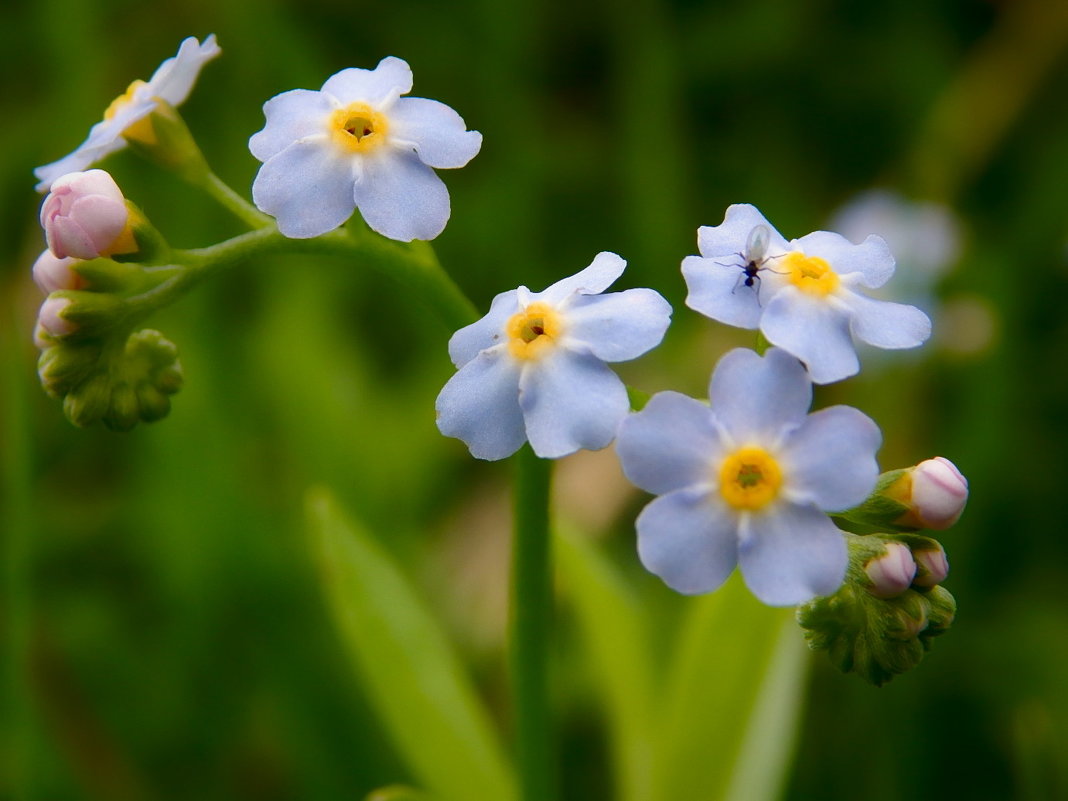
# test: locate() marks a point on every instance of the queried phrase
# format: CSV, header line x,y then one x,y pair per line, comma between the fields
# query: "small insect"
x,y
753,259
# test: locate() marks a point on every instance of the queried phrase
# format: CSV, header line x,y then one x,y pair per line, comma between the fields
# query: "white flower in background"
x,y
85,216
534,367
357,144
171,82
748,481
804,295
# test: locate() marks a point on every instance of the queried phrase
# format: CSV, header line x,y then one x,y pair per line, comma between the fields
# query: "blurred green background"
x,y
164,636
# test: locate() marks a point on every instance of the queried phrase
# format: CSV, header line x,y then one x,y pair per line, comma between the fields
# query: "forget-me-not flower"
x,y
357,144
748,481
171,82
534,367
803,295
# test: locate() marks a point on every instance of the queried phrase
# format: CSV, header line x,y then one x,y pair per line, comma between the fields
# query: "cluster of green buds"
x,y
891,605
103,265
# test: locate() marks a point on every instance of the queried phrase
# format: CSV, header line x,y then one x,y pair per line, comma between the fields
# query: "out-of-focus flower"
x,y
534,367
357,144
85,216
891,573
171,83
748,481
52,274
803,294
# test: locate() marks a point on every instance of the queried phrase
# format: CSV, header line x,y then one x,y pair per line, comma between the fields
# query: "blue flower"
x,y
803,294
534,367
356,143
748,481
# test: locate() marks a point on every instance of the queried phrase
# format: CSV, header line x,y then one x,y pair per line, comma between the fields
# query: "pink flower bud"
x,y
892,573
939,493
85,216
50,317
932,567
51,273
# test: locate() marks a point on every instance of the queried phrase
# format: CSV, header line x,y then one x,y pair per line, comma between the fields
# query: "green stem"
x,y
531,614
233,202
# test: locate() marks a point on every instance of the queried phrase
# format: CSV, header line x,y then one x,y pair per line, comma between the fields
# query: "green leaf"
x,y
615,634
714,684
409,672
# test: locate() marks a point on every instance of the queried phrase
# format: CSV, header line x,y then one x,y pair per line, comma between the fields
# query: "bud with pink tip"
x,y
52,274
85,216
51,319
892,573
932,567
939,493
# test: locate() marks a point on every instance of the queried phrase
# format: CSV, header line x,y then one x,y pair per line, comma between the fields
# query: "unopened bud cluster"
x,y
891,604
91,358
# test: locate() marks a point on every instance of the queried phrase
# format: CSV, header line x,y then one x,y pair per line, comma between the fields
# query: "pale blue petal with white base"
x,y
400,197
291,116
885,324
830,458
571,401
439,134
318,202
480,405
791,554
391,77
718,291
756,398
730,237
688,539
814,330
618,326
670,444
871,258
488,332
605,268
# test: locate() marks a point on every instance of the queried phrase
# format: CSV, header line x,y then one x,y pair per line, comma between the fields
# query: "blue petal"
x,y
871,258
688,538
885,324
570,401
488,332
791,554
617,326
307,188
290,116
755,398
670,444
400,197
603,270
717,289
730,237
480,405
815,330
391,77
440,135
830,459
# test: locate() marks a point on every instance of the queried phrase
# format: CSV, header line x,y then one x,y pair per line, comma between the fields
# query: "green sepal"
x,y
879,512
152,248
876,638
164,139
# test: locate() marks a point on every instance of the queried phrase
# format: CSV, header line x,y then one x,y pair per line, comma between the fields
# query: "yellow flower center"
x,y
119,102
533,331
358,128
810,273
749,478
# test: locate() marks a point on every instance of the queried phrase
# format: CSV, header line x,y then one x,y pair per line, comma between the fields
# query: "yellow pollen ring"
x,y
749,478
358,128
119,102
810,273
533,332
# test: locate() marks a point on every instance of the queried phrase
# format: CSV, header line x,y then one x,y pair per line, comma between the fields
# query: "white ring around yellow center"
x,y
749,478
810,273
358,128
533,332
